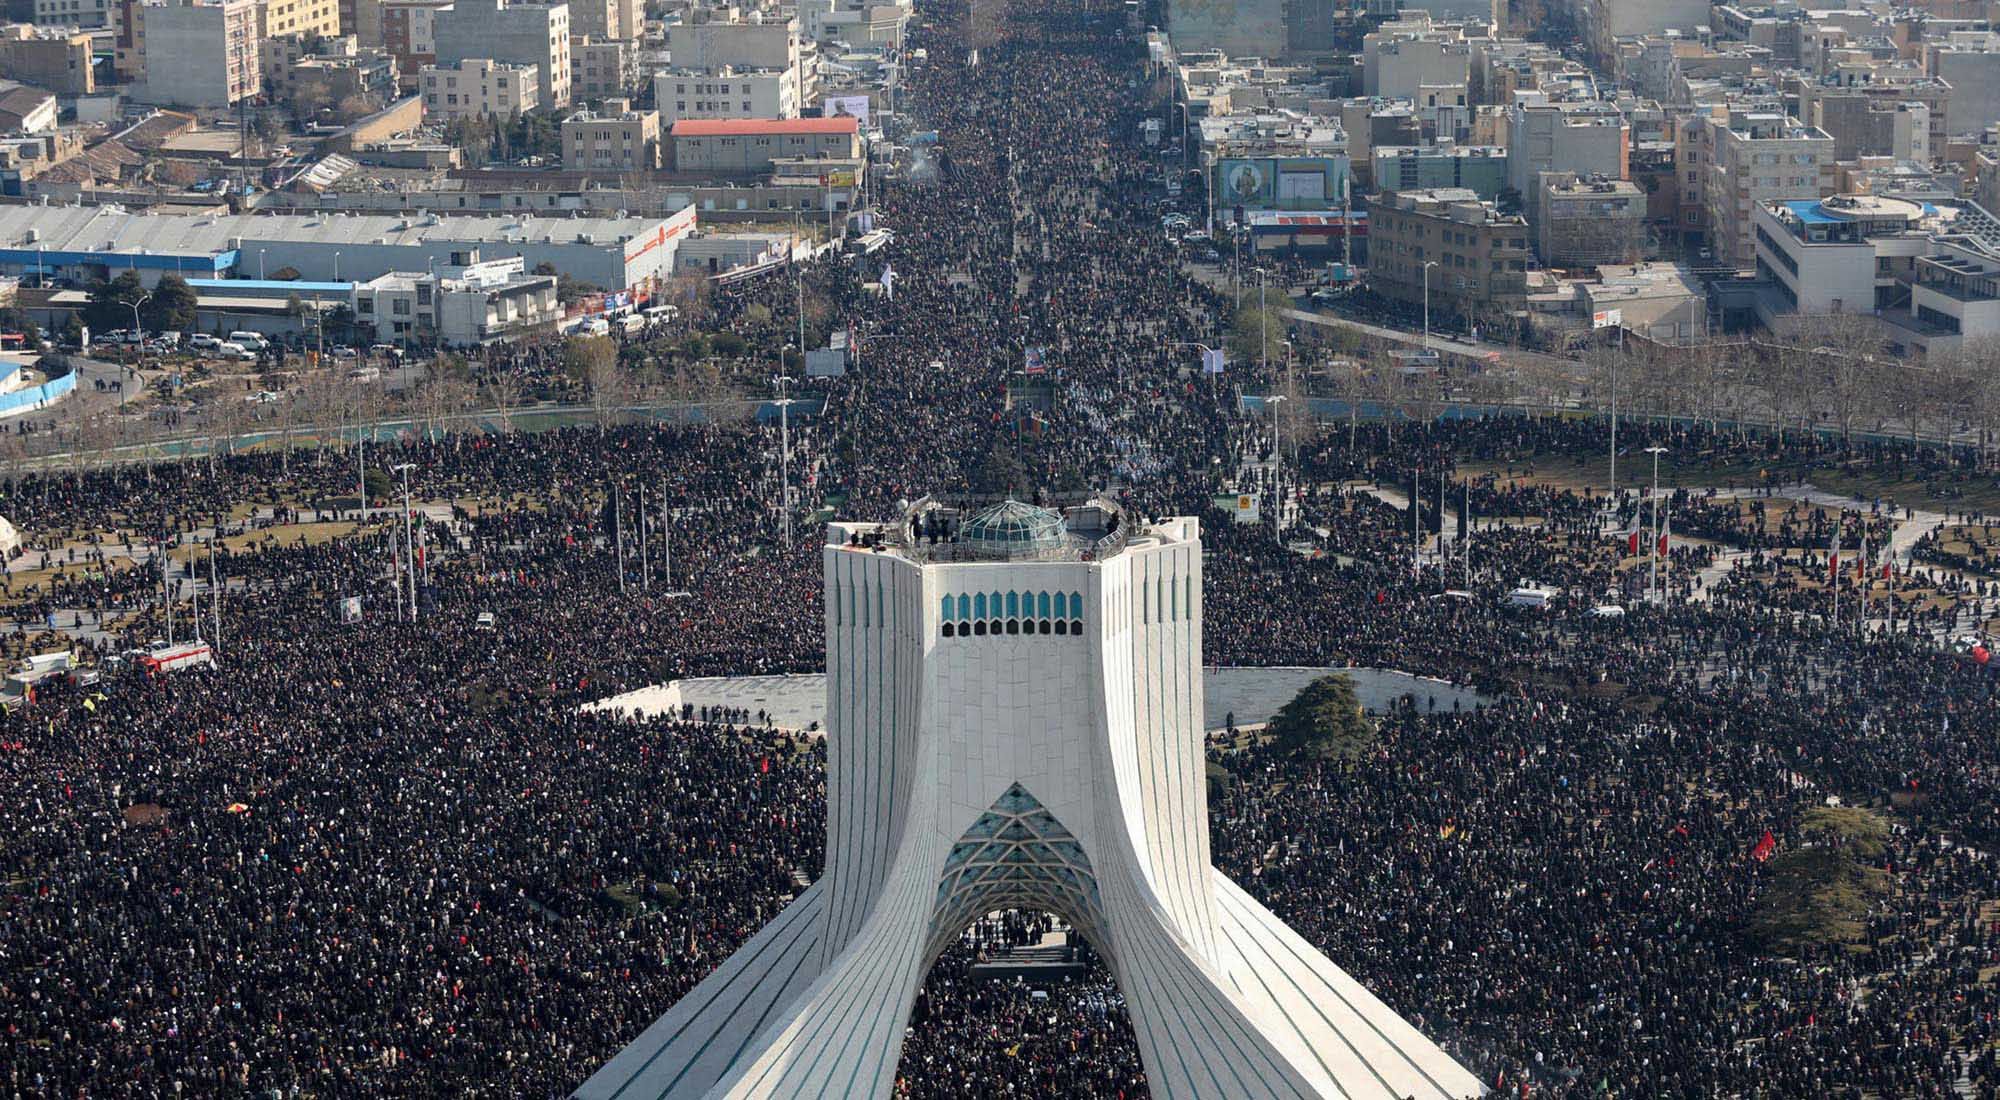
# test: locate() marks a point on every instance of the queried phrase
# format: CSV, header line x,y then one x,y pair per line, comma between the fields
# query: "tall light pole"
x,y
1277,465
1263,328
260,264
1428,264
785,456
409,541
1653,555
336,265
138,329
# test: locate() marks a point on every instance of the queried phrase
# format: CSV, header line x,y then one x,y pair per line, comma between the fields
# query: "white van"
x,y
631,324
252,341
661,315
202,341
230,349
596,326
1529,595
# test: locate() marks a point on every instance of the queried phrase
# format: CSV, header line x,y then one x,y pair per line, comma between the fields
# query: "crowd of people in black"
x,y
394,857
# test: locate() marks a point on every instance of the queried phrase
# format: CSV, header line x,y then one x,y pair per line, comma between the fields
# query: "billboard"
x,y
1279,183
856,105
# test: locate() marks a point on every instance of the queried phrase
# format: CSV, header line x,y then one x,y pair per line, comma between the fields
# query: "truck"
x,y
161,660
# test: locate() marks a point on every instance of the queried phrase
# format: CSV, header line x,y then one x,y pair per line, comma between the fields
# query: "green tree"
x,y
1324,718
585,357
171,308
1253,332
14,320
1002,472
110,305
381,487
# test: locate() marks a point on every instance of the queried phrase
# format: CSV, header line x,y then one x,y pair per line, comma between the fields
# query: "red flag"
x,y
1666,532
1632,541
764,765
1764,847
1833,557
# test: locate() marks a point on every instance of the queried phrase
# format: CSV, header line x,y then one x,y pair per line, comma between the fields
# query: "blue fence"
x,y
35,397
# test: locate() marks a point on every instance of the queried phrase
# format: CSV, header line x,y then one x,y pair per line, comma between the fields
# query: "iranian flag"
x,y
1833,557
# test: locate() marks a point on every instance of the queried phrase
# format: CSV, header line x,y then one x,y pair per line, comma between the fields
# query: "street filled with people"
x,y
1737,840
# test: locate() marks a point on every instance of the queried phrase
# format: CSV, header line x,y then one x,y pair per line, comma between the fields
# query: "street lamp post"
x,y
1428,264
409,540
260,264
1263,327
336,266
1653,556
785,458
138,329
1277,466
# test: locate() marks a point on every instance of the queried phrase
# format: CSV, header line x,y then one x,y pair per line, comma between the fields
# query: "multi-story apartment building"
x,y
1758,157
58,61
1969,61
512,32
201,53
1874,117
1481,169
1589,137
409,33
726,93
300,17
1479,256
599,70
616,139
607,20
74,13
1587,221
1605,22
466,89
1400,58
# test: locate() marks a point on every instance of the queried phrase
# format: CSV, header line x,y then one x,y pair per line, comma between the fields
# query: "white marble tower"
x,y
1014,702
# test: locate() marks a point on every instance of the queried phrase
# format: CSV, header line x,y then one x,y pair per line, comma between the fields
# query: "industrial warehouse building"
x,y
79,245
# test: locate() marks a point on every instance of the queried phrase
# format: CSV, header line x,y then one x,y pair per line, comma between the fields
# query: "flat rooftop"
x,y
115,229
936,531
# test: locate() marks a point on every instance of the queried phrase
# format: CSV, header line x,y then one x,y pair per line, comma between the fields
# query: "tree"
x,y
14,320
308,98
172,306
1254,332
110,305
1324,718
353,108
1002,472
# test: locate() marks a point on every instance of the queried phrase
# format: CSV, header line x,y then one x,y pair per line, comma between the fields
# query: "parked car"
x,y
230,349
341,351
252,341
202,341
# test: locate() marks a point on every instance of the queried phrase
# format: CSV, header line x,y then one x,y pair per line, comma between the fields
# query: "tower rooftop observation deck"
x,y
1009,530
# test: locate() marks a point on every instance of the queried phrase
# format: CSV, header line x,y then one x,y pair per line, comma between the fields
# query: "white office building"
x,y
1014,721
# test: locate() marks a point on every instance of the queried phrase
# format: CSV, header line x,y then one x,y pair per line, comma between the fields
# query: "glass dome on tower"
x,y
1011,527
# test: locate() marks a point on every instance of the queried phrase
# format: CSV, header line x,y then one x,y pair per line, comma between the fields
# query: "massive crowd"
x,y
394,858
